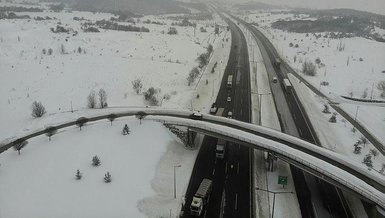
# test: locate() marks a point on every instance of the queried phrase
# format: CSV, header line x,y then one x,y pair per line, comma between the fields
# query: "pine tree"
x,y
357,149
333,118
368,161
95,161
107,177
374,152
326,109
78,175
382,170
363,140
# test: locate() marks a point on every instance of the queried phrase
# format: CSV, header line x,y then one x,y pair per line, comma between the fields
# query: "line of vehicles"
x,y
202,195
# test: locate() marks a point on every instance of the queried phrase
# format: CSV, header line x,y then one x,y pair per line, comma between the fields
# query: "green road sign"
x,y
282,180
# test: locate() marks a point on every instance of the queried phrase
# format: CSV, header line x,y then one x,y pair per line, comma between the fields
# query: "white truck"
x,y
213,108
201,197
230,81
287,85
220,149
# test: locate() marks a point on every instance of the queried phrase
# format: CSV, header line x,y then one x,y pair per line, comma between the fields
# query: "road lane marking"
x,y
236,201
213,171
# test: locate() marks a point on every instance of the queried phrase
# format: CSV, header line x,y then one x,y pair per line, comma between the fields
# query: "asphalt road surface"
x,y
231,195
317,198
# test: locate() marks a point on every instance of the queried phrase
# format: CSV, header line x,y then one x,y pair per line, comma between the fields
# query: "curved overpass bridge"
x,y
325,164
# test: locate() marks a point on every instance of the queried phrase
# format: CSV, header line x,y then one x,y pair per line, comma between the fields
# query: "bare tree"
x,y
50,131
381,87
308,68
38,109
194,73
203,59
81,121
102,98
19,144
62,49
150,96
365,93
209,50
137,85
140,115
112,117
91,99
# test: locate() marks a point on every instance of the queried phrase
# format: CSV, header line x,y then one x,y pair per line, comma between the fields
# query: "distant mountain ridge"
x,y
135,6
337,12
257,6
340,23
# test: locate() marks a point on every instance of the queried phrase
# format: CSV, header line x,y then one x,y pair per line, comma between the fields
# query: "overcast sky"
x,y
376,6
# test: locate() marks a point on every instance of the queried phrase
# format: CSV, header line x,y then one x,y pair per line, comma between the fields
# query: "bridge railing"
x,y
361,190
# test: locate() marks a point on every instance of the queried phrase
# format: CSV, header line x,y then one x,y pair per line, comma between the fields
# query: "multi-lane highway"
x,y
316,197
231,195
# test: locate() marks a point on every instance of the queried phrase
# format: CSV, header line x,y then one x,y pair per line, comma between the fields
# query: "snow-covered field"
x,y
345,71
42,177
337,136
110,60
346,74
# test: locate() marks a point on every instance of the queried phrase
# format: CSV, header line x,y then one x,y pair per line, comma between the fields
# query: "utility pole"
x,y
355,117
175,166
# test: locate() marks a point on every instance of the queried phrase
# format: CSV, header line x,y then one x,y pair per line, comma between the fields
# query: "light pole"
x,y
274,192
213,87
371,93
175,166
355,117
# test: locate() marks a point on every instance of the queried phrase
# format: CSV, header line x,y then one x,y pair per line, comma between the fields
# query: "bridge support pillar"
x,y
270,161
190,137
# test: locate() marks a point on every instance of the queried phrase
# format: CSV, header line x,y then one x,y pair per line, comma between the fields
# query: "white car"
x,y
275,80
196,116
230,115
229,99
